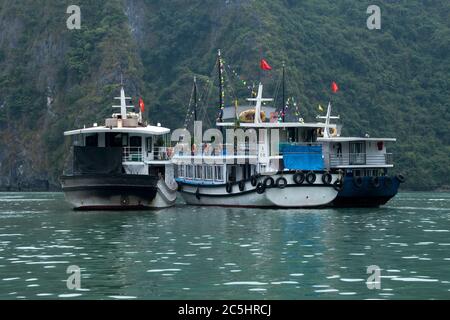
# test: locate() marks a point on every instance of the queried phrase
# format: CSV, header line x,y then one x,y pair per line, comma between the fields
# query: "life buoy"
x,y
229,187
282,183
242,186
254,181
269,182
401,178
311,177
260,188
320,132
375,182
358,181
299,177
327,178
338,185
333,132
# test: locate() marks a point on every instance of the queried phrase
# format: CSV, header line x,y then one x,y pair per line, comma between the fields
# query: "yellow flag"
x,y
321,108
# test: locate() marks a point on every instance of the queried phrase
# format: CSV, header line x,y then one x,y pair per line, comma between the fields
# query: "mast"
x,y
221,82
284,92
259,100
123,103
195,99
328,118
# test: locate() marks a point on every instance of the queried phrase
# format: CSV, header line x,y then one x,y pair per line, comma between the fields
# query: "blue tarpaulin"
x,y
302,157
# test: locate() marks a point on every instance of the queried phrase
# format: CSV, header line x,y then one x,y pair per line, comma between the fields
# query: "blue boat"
x,y
365,164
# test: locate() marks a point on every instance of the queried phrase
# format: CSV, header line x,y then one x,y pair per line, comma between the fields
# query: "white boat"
x,y
121,165
283,168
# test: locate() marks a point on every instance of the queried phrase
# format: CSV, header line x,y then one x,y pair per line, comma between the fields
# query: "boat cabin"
x,y
124,143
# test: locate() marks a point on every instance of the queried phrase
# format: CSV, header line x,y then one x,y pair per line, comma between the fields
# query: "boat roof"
x,y
354,139
277,125
149,130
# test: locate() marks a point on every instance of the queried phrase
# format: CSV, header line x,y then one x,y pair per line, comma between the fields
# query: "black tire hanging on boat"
x,y
401,178
269,182
311,177
229,187
299,178
338,185
254,181
375,182
282,183
327,178
197,194
260,188
358,182
242,186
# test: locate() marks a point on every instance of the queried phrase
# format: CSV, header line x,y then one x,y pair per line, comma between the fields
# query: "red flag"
x,y
265,65
142,105
334,87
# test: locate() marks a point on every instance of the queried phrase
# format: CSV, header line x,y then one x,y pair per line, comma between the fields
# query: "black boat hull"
x,y
106,192
366,195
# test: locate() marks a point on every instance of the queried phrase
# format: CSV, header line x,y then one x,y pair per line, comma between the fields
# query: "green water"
x,y
213,253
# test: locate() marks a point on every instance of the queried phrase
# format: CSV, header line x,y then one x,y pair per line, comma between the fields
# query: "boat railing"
x,y
355,159
162,153
132,154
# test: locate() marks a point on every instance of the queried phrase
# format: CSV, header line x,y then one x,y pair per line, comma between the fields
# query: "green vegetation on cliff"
x,y
394,81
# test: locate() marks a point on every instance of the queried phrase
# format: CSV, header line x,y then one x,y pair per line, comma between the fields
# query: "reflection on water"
x,y
203,253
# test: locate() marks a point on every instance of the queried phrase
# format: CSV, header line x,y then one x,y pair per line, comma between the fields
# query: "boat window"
x,y
116,139
357,153
218,173
136,142
233,174
92,140
189,172
292,135
198,172
149,145
180,171
208,172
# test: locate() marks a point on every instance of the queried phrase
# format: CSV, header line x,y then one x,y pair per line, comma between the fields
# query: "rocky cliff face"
x,y
394,81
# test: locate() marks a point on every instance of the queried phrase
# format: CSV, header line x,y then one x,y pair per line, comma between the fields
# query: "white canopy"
x,y
149,130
